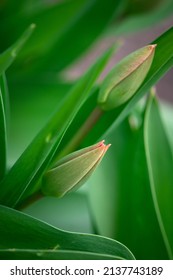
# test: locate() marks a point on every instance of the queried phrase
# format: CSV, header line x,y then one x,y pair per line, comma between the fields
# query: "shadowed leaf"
x,y
40,240
160,166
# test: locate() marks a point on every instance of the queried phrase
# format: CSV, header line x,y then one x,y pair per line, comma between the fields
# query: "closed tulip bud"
x,y
73,170
125,78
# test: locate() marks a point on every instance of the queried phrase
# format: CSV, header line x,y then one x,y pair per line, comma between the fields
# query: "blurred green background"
x,y
69,36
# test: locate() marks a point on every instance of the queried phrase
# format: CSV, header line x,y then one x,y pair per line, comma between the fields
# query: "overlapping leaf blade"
x,y
160,166
120,189
30,166
40,240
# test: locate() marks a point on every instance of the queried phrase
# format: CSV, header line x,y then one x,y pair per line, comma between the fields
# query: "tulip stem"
x,y
74,143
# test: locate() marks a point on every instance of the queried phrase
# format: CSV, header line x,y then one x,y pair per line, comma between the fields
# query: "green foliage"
x,y
130,204
160,163
45,241
41,150
3,136
162,62
128,198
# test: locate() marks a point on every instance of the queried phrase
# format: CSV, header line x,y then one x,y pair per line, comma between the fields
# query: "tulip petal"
x,y
125,78
73,170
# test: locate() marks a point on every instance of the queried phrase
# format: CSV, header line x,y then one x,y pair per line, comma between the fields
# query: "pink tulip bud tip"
x,y
152,47
102,145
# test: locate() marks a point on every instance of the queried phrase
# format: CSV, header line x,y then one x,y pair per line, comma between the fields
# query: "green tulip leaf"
x,y
39,153
160,166
8,56
41,241
167,116
120,189
6,59
3,135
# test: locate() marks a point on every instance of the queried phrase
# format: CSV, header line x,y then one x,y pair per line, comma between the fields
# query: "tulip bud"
x,y
125,78
73,170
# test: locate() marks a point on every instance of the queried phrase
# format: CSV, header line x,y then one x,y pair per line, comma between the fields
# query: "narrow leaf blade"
x,y
7,57
3,137
120,190
160,165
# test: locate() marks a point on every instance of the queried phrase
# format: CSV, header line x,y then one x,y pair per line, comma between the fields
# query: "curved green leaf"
x,y
28,169
7,57
31,254
3,137
167,117
120,189
160,167
4,124
20,232
5,95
